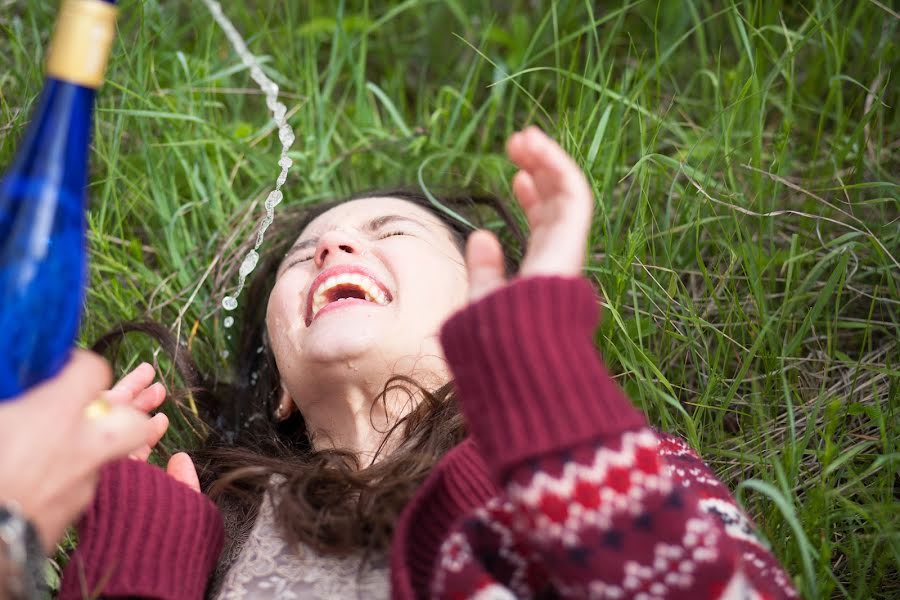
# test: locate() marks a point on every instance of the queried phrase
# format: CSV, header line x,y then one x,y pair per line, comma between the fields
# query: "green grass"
x,y
745,159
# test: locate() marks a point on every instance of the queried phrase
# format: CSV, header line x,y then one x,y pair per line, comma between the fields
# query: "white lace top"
x,y
268,568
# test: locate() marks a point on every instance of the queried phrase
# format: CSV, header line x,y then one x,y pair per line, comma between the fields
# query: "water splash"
x,y
285,136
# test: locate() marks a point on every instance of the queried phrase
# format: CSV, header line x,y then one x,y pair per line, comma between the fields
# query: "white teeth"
x,y
318,303
366,284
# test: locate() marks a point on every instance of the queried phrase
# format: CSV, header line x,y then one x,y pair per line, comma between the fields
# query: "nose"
x,y
334,243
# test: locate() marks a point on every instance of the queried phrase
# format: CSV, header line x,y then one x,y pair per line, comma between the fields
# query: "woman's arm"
x,y
146,535
594,500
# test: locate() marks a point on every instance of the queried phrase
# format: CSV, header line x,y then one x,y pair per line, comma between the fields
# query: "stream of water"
x,y
285,136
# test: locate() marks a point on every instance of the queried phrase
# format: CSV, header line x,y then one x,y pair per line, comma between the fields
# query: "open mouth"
x,y
341,287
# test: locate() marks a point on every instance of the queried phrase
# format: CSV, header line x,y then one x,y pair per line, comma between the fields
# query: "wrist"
x,y
529,378
21,556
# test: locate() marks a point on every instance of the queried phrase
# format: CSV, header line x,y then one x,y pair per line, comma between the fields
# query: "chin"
x,y
346,339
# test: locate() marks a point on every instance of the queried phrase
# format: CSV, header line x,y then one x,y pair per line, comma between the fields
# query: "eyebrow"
x,y
372,226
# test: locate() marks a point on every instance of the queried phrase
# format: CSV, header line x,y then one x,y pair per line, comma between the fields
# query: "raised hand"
x,y
137,390
557,201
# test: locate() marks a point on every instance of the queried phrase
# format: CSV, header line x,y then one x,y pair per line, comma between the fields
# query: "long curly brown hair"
x,y
325,498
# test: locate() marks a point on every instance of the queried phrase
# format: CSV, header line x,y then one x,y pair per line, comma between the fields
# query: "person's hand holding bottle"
x,y
55,437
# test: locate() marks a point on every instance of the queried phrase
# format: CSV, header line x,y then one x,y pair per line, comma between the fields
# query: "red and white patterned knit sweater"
x,y
561,490
616,520
591,502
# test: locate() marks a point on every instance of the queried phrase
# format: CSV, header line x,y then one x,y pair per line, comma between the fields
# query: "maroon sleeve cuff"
x,y
145,535
528,376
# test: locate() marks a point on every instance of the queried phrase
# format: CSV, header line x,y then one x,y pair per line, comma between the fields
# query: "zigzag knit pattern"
x,y
639,517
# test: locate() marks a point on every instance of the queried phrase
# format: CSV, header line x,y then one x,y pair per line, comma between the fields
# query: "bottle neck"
x,y
54,149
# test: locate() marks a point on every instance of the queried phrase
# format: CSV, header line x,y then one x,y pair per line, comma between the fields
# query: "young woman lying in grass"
x,y
409,423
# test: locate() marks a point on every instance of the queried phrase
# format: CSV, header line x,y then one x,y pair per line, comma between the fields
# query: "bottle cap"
x,y
80,46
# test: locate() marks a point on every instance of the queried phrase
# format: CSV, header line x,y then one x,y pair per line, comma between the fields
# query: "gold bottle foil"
x,y
80,45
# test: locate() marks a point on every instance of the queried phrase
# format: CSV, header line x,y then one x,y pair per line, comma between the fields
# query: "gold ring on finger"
x,y
97,409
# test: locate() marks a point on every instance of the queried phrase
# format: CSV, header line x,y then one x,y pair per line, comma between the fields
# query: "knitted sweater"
x,y
561,489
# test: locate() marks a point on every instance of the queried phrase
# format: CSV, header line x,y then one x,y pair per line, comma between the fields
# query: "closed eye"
x,y
299,260
391,234
311,256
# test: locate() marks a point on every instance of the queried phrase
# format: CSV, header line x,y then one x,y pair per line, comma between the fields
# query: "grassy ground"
x,y
745,159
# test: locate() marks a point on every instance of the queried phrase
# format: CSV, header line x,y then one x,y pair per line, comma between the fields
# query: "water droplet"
x,y
249,263
229,303
274,198
229,321
286,136
259,350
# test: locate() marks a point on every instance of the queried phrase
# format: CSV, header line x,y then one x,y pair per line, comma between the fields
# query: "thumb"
x,y
181,468
484,262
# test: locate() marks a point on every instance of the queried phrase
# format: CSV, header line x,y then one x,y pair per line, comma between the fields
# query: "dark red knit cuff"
x,y
145,535
529,378
456,486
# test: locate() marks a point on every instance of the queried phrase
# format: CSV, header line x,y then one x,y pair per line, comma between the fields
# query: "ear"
x,y
286,406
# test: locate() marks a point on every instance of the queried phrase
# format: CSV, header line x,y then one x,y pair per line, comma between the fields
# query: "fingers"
x,y
552,172
181,468
135,390
484,263
151,398
118,433
159,423
520,148
138,390
557,200
135,381
531,149
525,190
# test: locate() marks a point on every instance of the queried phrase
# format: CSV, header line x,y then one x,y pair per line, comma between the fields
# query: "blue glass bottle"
x,y
43,260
